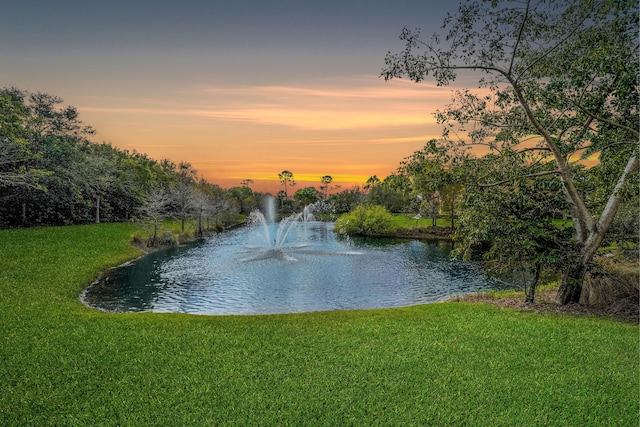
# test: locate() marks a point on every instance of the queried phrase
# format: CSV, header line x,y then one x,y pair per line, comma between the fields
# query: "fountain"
x,y
307,215
280,240
270,238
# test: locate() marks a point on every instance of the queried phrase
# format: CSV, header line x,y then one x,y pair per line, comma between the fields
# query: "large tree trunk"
x,y
571,286
591,238
531,294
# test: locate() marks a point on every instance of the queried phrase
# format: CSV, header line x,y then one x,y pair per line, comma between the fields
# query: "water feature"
x,y
285,267
307,214
271,239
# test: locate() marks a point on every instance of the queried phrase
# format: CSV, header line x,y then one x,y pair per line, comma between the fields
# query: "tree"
x,y
559,82
372,182
393,193
307,195
37,140
286,179
55,138
281,197
514,225
203,207
184,194
154,209
346,200
137,176
436,173
245,198
98,173
326,182
14,143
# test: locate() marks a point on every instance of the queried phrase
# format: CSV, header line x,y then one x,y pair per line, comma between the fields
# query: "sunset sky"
x,y
241,89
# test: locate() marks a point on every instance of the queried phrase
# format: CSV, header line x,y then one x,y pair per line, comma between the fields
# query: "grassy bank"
x,y
442,364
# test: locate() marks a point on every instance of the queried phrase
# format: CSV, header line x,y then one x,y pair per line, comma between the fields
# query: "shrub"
x,y
366,221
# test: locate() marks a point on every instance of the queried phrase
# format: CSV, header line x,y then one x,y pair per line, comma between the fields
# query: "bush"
x,y
366,221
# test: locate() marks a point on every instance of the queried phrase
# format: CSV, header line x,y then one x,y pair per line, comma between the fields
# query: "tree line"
x,y
51,173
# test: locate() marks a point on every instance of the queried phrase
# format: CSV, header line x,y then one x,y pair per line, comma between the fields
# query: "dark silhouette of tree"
x,y
326,183
286,179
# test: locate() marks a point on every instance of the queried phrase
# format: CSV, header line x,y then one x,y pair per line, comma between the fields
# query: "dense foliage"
x,y
369,220
515,227
51,173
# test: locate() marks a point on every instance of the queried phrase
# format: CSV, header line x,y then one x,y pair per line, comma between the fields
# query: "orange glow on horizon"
x,y
350,128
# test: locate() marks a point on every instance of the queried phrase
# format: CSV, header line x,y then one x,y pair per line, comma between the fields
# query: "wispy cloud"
x,y
358,87
356,103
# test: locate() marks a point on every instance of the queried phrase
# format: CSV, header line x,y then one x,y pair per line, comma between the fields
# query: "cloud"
x,y
354,87
364,102
352,103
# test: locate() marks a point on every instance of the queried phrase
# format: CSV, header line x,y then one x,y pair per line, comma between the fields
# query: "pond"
x,y
243,271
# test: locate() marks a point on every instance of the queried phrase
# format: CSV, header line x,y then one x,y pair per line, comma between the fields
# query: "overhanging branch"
x,y
530,175
631,130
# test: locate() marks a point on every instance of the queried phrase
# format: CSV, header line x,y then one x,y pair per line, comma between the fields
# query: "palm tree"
x,y
326,180
286,178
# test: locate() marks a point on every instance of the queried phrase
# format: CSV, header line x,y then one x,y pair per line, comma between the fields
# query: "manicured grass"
x,y
441,364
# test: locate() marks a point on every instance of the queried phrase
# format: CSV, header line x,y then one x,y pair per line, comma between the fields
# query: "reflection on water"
x,y
316,271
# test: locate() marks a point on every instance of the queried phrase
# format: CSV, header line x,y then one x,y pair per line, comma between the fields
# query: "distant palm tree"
x,y
286,178
326,180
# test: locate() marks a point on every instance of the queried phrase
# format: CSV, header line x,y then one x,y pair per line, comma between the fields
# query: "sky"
x,y
241,89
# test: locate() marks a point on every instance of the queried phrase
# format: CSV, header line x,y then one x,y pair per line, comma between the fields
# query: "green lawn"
x,y
441,364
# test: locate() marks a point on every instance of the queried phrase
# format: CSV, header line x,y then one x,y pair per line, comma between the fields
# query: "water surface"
x,y
315,270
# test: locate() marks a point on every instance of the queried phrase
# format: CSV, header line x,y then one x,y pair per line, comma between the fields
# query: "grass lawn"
x,y
441,364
